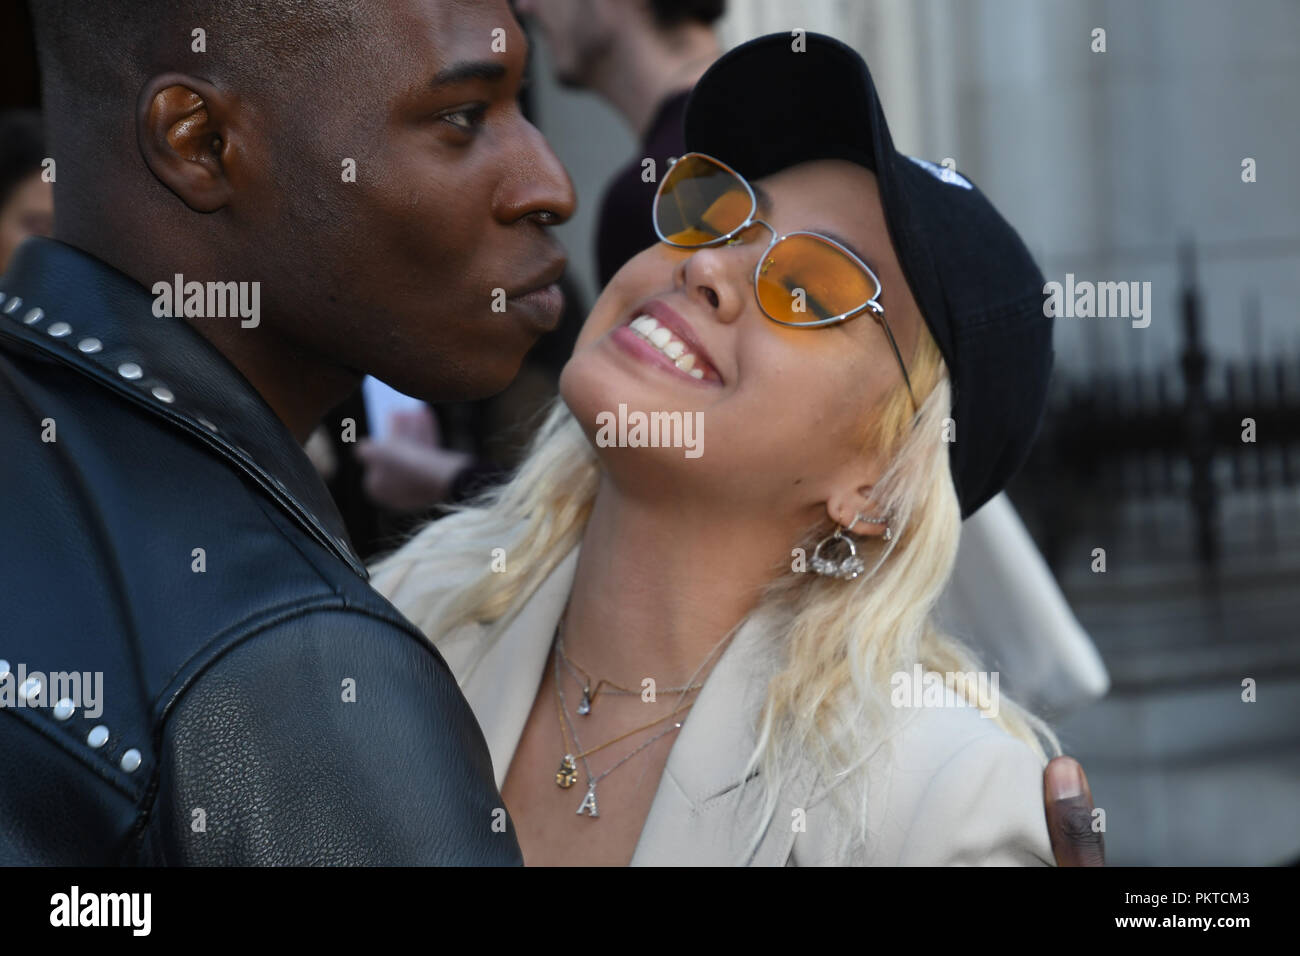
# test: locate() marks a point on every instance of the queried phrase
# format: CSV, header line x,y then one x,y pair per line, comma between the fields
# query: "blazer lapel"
x,y
705,811
502,684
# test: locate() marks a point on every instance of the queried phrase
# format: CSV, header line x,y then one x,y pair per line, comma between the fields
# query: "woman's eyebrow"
x,y
764,199
846,244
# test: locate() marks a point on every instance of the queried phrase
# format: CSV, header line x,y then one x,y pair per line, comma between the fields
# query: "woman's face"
x,y
783,410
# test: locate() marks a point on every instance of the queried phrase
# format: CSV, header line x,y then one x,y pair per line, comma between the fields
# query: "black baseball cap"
x,y
783,99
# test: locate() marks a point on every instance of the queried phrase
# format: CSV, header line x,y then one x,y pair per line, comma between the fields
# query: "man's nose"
x,y
542,187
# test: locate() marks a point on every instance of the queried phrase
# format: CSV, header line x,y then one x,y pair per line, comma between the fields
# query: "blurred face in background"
x,y
576,32
27,211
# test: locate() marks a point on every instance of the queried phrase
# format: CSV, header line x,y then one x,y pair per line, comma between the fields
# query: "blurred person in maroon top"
x,y
26,197
642,57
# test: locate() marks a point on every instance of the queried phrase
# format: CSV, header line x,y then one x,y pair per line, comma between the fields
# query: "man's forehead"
x,y
456,29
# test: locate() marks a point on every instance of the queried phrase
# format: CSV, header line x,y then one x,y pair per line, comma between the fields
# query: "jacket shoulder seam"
x,y
193,669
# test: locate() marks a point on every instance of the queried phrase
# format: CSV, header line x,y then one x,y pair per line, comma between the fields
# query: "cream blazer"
x,y
954,789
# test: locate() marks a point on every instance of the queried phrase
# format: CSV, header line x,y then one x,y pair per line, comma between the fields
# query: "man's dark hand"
x,y
1069,815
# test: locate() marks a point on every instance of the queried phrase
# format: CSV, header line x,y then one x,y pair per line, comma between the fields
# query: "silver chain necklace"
x,y
588,698
588,804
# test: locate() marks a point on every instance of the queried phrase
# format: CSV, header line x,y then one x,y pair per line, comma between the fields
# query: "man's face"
x,y
419,270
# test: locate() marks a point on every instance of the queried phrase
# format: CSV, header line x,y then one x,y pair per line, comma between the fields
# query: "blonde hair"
x,y
829,699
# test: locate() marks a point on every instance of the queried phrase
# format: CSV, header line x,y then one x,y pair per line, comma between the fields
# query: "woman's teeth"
x,y
649,329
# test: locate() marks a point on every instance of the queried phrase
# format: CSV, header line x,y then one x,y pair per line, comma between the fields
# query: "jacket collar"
x,y
704,810
82,313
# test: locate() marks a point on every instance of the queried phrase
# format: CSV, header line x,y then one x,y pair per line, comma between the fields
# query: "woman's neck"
x,y
656,588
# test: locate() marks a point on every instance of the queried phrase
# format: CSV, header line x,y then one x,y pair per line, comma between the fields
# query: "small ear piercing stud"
x,y
889,532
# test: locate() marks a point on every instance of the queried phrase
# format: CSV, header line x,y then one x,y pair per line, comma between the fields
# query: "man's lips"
x,y
542,296
672,337
552,274
546,304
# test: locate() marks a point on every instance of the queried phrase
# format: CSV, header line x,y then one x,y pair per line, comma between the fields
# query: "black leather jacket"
x,y
226,731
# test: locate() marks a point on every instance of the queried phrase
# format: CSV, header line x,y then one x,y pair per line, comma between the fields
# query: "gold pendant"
x,y
567,773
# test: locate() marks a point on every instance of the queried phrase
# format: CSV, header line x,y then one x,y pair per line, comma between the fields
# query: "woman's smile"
x,y
653,342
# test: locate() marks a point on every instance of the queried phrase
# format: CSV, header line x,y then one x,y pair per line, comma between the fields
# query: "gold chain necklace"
x,y
567,774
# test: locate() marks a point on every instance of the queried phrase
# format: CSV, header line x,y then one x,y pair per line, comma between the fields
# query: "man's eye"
x,y
466,120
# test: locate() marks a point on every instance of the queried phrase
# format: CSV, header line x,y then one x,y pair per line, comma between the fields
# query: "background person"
x,y
642,57
26,198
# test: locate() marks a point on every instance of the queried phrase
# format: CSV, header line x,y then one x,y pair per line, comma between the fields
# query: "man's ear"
x,y
185,133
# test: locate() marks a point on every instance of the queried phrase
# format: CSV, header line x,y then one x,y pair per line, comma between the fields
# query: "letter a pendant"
x,y
589,801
